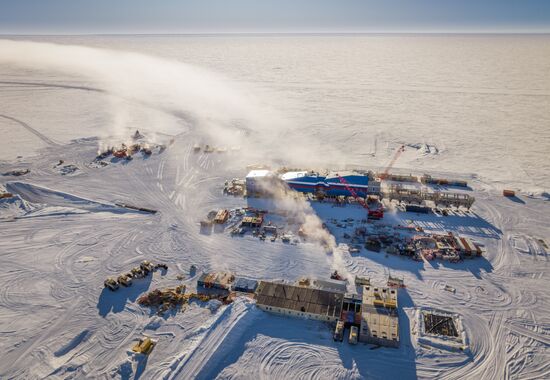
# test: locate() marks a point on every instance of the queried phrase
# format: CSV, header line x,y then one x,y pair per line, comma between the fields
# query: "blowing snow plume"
x,y
196,95
161,95
297,208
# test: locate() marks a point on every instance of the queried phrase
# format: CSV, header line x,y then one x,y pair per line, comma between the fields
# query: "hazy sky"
x,y
213,16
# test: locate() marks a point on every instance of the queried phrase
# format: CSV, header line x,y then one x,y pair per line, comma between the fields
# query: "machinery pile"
x,y
172,298
211,149
141,271
127,151
410,241
216,217
235,187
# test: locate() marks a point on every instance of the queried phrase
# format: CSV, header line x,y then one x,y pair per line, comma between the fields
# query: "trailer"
x,y
418,209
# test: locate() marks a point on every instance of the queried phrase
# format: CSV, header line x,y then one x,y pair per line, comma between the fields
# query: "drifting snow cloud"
x,y
167,96
196,95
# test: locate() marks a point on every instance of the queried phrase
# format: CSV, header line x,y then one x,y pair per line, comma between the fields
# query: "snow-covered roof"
x,y
334,285
341,173
292,175
258,173
245,283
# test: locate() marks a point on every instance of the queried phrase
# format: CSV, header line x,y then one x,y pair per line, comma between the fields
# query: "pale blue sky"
x,y
215,16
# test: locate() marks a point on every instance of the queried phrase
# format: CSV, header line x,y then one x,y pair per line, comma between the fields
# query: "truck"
x,y
353,335
339,331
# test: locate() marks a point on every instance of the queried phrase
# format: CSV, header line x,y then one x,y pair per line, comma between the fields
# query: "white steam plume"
x,y
143,88
299,209
171,97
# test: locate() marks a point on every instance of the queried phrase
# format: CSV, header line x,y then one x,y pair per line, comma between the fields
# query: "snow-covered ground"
x,y
58,320
64,235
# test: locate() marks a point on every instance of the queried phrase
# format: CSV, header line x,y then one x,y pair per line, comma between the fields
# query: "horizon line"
x,y
276,33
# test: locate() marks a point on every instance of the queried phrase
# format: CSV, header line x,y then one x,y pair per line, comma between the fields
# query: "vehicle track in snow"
x,y
78,252
30,129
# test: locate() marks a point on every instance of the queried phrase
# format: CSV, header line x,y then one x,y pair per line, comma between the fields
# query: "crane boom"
x,y
374,214
392,162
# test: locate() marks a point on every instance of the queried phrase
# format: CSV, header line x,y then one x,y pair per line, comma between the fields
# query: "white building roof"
x,y
292,175
258,173
334,285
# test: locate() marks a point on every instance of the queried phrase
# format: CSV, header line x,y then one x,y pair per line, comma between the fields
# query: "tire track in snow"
x,y
191,364
42,137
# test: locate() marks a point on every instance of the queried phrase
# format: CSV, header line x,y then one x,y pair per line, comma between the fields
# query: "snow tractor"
x,y
146,267
111,284
124,280
144,346
161,266
137,273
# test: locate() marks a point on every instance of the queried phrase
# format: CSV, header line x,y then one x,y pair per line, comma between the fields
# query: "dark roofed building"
x,y
299,301
245,285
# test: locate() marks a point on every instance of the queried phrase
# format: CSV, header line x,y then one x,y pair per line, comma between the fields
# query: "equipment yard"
x,y
83,237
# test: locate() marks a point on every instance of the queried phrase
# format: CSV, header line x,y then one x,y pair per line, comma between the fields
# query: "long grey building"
x,y
298,301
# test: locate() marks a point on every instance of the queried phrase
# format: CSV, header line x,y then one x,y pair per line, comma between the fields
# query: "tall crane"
x,y
372,213
401,149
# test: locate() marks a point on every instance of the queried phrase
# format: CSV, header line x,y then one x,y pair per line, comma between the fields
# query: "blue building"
x,y
330,185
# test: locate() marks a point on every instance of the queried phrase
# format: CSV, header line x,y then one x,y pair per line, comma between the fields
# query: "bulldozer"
x,y
137,273
144,346
124,280
111,284
146,267
161,266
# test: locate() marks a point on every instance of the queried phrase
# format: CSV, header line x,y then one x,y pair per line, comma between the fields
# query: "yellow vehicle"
x,y
137,272
144,346
111,284
146,266
339,331
353,335
124,280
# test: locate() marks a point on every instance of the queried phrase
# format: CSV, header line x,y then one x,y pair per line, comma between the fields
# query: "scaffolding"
x,y
439,198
